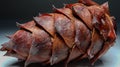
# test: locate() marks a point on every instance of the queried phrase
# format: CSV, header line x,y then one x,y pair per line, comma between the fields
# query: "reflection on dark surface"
x,y
82,63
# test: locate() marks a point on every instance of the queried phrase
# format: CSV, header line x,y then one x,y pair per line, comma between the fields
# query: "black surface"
x,y
81,63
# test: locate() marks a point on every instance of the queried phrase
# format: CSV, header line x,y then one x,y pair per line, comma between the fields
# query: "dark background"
x,y
12,11
21,11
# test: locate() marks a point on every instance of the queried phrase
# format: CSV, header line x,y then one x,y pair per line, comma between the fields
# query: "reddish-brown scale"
x,y
59,51
82,11
46,22
65,28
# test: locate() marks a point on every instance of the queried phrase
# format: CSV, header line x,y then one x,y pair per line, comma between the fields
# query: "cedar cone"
x,y
80,30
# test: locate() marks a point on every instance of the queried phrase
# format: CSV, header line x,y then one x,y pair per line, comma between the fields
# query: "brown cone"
x,y
80,30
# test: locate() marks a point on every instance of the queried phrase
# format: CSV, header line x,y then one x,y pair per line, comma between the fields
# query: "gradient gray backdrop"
x,y
12,11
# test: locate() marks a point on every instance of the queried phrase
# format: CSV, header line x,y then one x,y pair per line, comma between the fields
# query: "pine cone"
x,y
80,30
